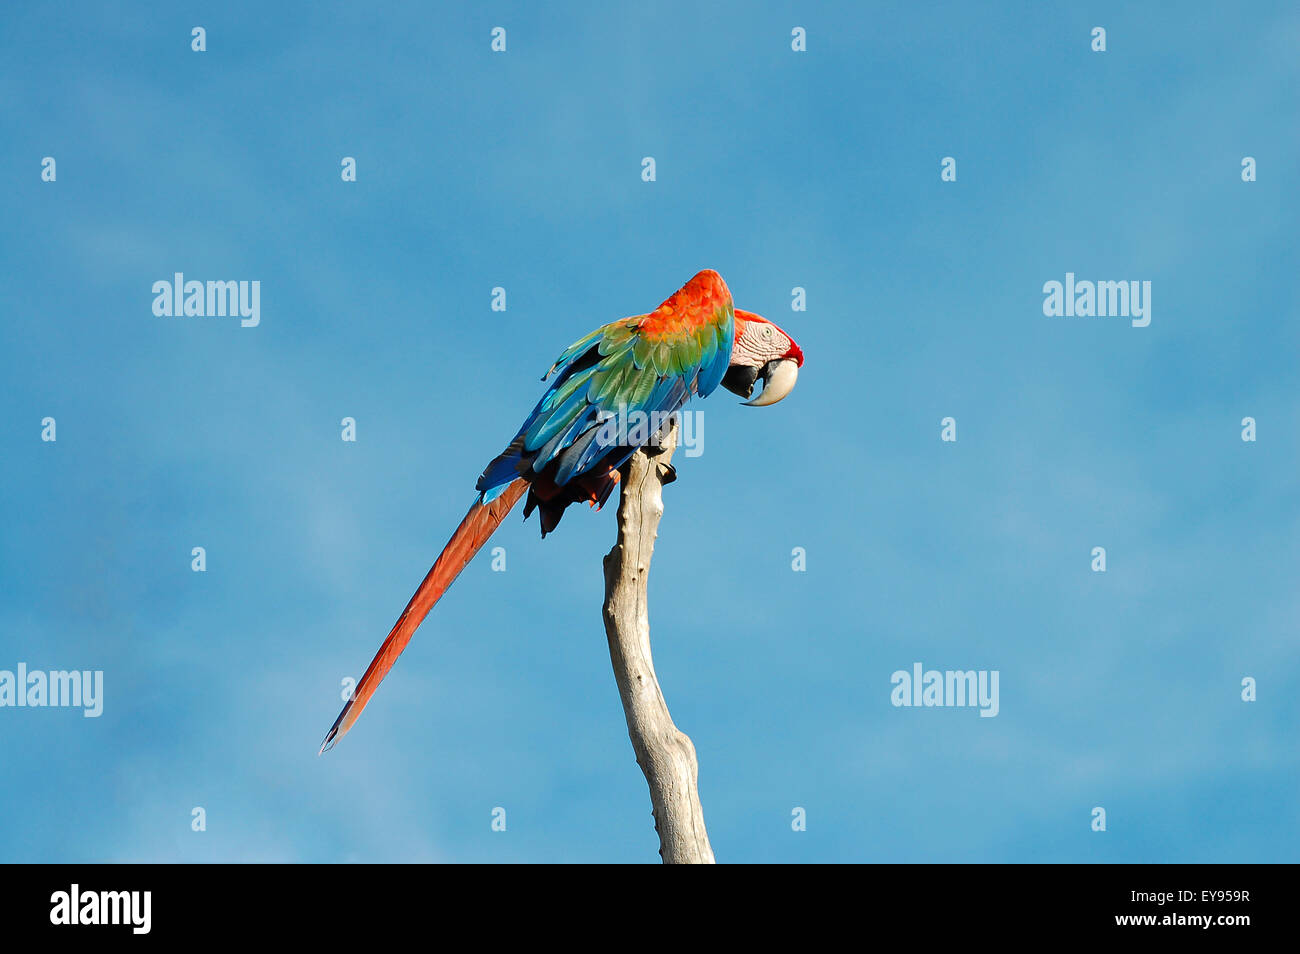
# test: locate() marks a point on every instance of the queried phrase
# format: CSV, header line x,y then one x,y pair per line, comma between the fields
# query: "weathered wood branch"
x,y
665,754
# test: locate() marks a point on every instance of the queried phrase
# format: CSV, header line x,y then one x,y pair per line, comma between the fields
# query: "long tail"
x,y
479,524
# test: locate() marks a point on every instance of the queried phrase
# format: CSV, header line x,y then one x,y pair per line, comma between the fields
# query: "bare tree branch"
x,y
665,754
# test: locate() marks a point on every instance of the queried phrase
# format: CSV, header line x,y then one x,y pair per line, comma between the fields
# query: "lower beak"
x,y
778,381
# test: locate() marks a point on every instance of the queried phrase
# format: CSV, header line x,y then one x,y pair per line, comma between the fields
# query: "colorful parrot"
x,y
563,454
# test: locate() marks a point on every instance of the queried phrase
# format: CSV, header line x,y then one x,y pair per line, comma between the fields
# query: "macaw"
x,y
563,454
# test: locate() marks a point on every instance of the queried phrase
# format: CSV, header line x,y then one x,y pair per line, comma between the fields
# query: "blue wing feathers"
x,y
564,426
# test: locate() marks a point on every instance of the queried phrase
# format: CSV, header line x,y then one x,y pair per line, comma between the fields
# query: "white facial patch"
x,y
758,344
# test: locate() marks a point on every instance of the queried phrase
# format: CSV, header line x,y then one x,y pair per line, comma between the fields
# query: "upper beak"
x,y
778,381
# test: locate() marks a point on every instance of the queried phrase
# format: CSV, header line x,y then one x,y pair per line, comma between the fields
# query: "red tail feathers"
x,y
479,524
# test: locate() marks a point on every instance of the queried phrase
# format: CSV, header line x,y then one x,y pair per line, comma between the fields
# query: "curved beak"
x,y
778,381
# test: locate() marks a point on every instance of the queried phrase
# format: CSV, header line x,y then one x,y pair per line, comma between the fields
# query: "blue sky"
x,y
816,169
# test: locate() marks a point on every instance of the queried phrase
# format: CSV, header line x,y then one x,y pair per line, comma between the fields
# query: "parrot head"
x,y
762,350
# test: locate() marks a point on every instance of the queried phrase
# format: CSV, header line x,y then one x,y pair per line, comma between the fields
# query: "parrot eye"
x,y
767,331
